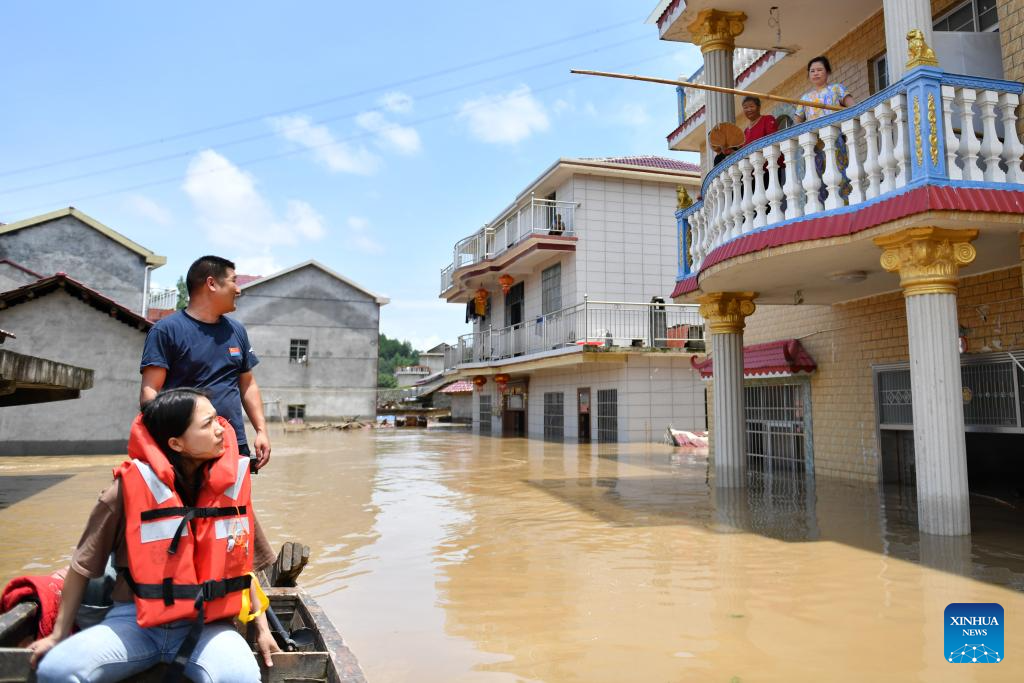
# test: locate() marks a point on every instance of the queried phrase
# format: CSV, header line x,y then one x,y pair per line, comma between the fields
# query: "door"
x,y
513,414
583,412
514,318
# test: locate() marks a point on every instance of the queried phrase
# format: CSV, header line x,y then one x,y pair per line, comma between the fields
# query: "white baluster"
x,y
748,194
736,212
1012,147
950,141
872,169
791,187
773,195
901,150
831,177
991,148
969,145
811,180
854,170
760,198
724,221
886,158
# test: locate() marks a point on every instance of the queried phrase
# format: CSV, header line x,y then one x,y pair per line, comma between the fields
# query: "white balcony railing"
x,y
602,324
163,298
930,128
535,217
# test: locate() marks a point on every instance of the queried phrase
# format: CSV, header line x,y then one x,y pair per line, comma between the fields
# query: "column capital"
x,y
716,29
927,259
726,312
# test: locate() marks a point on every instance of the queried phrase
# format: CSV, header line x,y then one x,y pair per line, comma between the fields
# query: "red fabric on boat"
x,y
42,590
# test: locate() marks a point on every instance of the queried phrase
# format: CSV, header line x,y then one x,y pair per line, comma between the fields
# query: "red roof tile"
x,y
648,161
246,279
463,386
785,357
84,293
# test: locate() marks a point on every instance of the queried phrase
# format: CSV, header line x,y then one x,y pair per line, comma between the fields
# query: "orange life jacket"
x,y
186,562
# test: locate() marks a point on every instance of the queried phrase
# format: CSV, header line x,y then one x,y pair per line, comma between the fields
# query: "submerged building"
x,y
572,337
889,282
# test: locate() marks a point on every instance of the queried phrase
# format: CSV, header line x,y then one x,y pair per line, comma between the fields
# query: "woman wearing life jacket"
x,y
178,519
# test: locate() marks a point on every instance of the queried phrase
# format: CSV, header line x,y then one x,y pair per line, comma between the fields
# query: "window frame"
x,y
296,411
295,346
551,294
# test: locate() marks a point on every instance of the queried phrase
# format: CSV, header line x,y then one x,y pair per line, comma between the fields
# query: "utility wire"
x,y
317,103
275,133
292,152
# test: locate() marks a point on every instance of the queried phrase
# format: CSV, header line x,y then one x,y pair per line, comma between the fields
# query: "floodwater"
x,y
442,556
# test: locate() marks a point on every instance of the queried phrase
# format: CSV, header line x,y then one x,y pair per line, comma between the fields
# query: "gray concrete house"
x,y
59,318
315,332
68,241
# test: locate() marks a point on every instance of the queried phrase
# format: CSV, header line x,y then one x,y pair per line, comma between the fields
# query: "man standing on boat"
x,y
201,347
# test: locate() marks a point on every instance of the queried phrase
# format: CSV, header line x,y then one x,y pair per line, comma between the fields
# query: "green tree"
x,y
393,354
182,294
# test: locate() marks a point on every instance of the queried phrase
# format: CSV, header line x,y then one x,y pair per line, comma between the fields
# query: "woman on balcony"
x,y
819,70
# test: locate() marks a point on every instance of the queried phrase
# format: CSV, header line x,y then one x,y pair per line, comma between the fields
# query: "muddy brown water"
x,y
442,556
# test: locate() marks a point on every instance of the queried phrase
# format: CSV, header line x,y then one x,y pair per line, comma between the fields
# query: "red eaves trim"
x,y
668,10
20,267
99,301
919,200
544,246
783,356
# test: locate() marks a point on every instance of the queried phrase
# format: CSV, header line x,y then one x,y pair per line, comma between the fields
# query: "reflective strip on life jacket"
x,y
161,492
243,468
161,530
225,527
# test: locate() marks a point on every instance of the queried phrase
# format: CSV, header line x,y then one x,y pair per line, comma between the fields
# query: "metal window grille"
x,y
554,416
297,411
993,388
551,289
777,418
607,415
485,414
298,351
971,16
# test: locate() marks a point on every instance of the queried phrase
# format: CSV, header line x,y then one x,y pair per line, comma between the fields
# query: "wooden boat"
x,y
326,659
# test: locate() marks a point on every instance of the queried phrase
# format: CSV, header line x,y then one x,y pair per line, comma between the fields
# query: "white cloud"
x,y
234,214
396,102
561,106
149,209
336,155
263,264
390,135
505,118
633,114
359,236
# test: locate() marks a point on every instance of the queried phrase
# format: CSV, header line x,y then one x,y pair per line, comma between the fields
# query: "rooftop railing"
x,y
929,128
601,324
533,218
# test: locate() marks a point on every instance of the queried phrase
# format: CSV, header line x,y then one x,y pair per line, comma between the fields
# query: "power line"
x,y
271,134
318,103
280,155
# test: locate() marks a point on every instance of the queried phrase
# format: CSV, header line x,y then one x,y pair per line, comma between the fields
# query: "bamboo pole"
x,y
713,88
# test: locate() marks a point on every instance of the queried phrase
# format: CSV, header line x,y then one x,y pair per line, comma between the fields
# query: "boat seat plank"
x,y
19,623
292,667
15,667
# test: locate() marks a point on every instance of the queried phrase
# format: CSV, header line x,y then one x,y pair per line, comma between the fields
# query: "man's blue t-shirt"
x,y
207,356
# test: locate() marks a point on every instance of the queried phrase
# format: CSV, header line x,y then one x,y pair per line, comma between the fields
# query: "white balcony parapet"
x,y
604,324
533,218
902,137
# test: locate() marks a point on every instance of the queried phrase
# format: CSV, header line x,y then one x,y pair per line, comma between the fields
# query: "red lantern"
x,y
501,380
479,381
506,281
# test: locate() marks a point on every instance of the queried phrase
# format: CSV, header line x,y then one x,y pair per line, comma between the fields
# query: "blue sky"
x,y
370,137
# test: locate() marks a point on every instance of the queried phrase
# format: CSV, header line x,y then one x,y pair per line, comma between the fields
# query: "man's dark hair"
x,y
204,267
751,98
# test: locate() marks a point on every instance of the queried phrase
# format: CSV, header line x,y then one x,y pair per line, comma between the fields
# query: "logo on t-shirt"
x,y
234,352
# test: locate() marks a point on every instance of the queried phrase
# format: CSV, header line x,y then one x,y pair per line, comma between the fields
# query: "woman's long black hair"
x,y
168,416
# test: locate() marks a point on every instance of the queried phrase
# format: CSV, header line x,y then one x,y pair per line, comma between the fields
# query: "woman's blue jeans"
x,y
118,647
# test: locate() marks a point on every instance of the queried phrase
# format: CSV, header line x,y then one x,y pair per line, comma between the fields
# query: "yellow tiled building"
x,y
889,246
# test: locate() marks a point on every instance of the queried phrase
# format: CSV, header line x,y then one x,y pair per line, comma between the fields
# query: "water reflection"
x,y
449,557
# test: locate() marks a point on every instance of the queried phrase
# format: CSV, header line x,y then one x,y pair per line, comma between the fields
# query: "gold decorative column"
x,y
928,261
725,314
715,32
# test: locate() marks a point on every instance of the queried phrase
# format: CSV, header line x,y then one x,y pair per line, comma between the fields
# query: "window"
x,y
551,289
485,414
993,395
297,411
607,415
554,416
777,424
879,74
974,16
298,352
